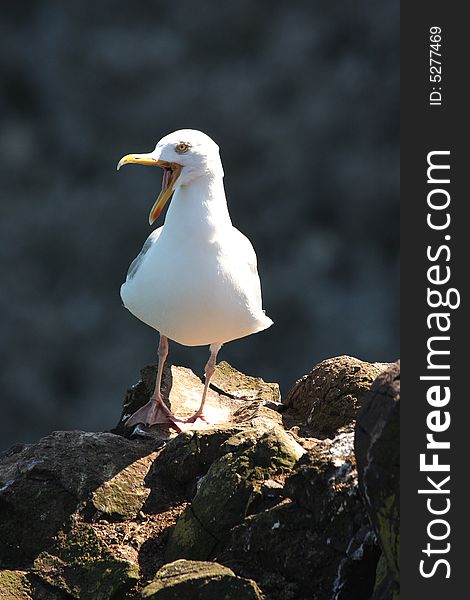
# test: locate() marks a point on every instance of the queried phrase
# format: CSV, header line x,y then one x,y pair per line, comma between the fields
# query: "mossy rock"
x,y
14,585
232,397
23,585
377,447
342,550
199,580
190,454
231,382
330,396
288,540
325,478
227,491
123,495
386,586
190,539
83,566
42,484
188,457
282,539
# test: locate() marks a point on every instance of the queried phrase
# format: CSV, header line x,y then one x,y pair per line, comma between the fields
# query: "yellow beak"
x,y
171,173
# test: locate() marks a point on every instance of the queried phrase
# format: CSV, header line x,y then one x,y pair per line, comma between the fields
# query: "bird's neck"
x,y
200,206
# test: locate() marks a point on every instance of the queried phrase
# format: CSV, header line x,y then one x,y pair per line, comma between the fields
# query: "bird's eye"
x,y
182,147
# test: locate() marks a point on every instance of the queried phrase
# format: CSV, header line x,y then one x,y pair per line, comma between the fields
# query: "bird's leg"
x,y
208,371
155,411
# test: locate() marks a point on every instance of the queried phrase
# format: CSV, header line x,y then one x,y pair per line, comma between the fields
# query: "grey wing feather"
x,y
135,264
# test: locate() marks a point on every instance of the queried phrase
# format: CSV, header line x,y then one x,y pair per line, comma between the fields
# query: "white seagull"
x,y
196,279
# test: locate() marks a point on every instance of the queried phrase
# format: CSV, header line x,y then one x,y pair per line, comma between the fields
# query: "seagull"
x,y
196,279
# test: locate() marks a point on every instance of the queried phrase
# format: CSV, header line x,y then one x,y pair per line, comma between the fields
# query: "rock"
x,y
42,484
255,415
329,397
124,494
81,565
21,585
182,391
378,459
188,456
278,540
226,492
95,516
320,542
62,282
230,382
14,585
326,478
386,586
199,580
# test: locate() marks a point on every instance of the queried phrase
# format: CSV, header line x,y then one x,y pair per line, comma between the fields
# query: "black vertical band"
x,y
434,292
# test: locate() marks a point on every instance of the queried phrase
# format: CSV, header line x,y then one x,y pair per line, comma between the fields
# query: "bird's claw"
x,y
196,416
154,413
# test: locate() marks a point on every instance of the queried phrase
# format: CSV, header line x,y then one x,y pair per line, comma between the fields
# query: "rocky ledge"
x,y
276,500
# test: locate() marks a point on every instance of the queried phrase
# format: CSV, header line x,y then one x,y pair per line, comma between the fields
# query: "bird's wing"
x,y
135,264
246,256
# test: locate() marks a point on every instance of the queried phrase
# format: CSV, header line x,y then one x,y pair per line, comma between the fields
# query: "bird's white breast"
x,y
197,284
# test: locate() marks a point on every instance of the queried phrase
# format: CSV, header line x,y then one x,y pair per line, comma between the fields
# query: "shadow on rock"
x,y
270,493
43,484
378,459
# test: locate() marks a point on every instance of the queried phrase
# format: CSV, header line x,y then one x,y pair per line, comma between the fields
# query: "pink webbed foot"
x,y
152,413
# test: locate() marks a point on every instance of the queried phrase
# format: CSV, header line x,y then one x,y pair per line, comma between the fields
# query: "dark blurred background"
x,y
303,99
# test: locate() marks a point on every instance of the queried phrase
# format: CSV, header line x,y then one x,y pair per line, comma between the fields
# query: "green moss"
x,y
228,490
381,571
238,385
80,564
191,454
190,539
196,580
388,529
125,493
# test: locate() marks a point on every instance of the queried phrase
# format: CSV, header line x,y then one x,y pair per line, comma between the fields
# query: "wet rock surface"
x,y
254,506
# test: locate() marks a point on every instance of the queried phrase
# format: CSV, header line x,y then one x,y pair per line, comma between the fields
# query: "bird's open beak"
x,y
171,172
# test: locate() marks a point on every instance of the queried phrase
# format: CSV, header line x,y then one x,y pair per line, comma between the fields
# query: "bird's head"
x,y
184,155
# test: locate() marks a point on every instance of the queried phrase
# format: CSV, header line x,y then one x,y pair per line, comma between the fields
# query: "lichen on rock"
x,y
226,492
81,565
308,539
14,585
271,495
378,458
42,484
231,382
330,396
190,454
124,494
199,580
